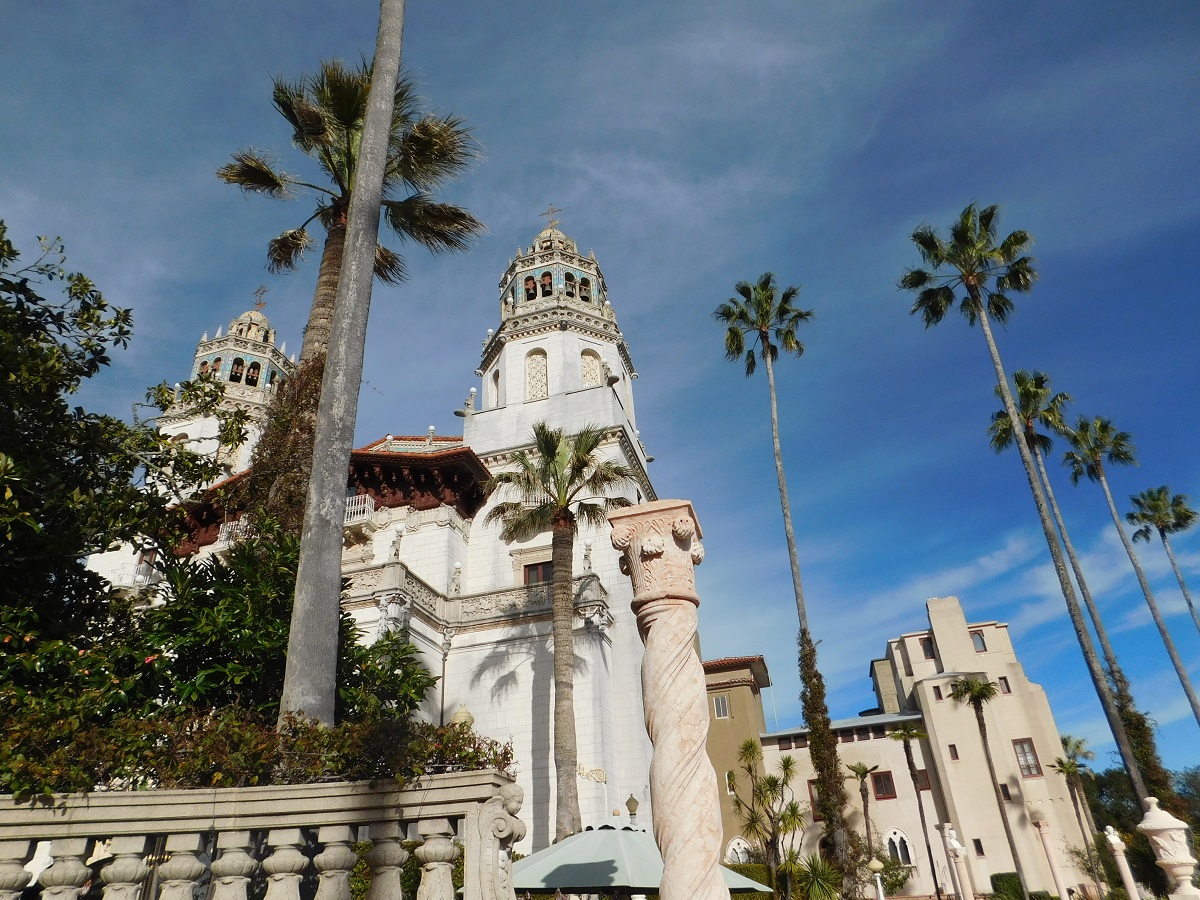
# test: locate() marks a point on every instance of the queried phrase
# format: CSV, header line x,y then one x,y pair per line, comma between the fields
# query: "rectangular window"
x,y
878,731
979,642
721,706
785,743
539,573
978,846
927,647
846,737
922,779
1027,758
862,734
937,692
885,787
1003,682
801,741
953,751
1005,792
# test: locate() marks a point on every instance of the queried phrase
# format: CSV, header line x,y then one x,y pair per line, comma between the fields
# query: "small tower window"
x,y
271,377
537,377
591,368
235,373
216,366
570,284
204,367
252,375
494,390
585,289
547,284
530,288
979,642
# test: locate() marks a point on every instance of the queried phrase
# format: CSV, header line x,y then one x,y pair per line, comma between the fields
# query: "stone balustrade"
x,y
175,840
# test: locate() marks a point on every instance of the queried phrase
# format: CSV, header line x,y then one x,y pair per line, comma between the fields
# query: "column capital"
x,y
660,546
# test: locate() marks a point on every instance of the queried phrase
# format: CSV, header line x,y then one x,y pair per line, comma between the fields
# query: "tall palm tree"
x,y
862,772
976,692
906,733
1155,509
1094,442
769,812
561,482
759,322
326,112
1071,765
985,271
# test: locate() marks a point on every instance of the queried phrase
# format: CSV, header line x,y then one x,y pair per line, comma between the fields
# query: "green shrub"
x,y
756,872
1007,885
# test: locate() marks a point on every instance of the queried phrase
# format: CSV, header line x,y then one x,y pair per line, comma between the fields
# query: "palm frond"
x,y
932,304
255,173
430,151
436,226
286,251
309,128
389,266
931,247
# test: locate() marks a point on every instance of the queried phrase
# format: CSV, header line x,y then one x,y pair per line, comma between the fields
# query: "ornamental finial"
x,y
550,213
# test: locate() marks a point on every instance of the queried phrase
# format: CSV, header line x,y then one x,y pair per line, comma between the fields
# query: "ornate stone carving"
x,y
334,863
385,858
1171,842
13,876
437,855
182,870
123,876
660,546
232,870
65,879
285,866
499,829
537,383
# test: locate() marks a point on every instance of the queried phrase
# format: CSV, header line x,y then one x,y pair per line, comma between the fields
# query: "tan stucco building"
x,y
912,683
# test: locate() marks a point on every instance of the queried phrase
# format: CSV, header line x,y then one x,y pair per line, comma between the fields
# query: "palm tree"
x,y
862,772
563,481
906,733
985,270
1093,442
769,813
977,692
326,112
1156,509
759,322
1071,765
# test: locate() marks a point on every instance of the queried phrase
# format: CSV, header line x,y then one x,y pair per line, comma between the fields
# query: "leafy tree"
x,y
975,692
987,271
759,322
906,733
861,772
1156,510
1093,442
563,481
327,113
769,811
1071,765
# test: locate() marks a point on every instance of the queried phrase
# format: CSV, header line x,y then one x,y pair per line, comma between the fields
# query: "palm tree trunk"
x,y
320,314
1172,652
912,773
1088,839
793,556
862,790
1111,713
566,751
310,679
1187,595
1110,657
1012,844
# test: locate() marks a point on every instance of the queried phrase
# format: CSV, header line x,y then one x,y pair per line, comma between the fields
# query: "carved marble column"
x,y
124,875
234,867
660,545
943,827
385,858
65,879
335,862
1170,839
182,870
1117,843
1043,829
437,855
13,876
286,864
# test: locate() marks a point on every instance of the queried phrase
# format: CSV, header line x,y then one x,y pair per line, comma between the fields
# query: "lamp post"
x,y
632,805
876,868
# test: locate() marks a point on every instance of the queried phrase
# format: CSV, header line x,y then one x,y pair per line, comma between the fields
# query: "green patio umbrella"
x,y
603,859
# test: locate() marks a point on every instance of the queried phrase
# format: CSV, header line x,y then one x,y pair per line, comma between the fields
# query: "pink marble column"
x,y
660,546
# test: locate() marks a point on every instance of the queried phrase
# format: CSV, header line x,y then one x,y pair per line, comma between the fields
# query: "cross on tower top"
x,y
550,213
259,293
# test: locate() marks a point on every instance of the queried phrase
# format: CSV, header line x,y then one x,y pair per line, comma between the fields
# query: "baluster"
x,y
437,855
385,859
123,876
334,863
182,869
65,879
285,866
232,870
13,876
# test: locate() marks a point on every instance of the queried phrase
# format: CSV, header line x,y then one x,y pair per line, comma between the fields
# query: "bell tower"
x,y
558,355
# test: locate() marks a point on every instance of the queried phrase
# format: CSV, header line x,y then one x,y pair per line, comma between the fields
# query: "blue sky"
x,y
692,147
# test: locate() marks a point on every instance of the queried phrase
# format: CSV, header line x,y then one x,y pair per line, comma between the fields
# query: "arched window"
x,y
537,376
547,284
585,289
591,368
530,288
235,372
738,850
898,846
216,367
570,284
978,641
272,376
493,399
252,374
204,367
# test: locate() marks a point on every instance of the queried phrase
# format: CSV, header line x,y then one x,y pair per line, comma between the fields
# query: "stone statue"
x,y
499,829
955,847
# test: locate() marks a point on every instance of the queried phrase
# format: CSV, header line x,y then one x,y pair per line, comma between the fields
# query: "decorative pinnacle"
x,y
259,293
550,213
